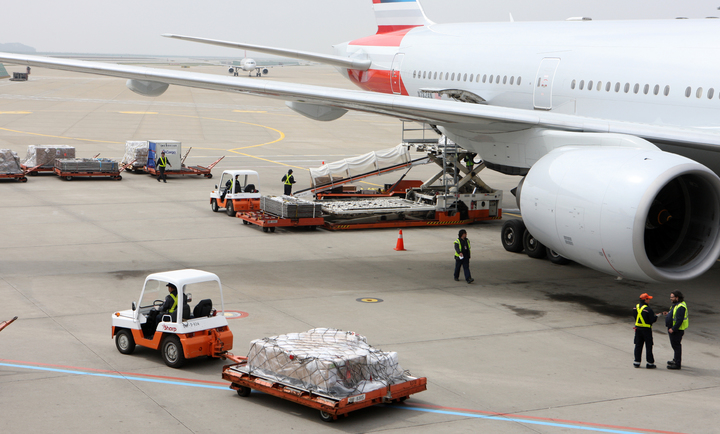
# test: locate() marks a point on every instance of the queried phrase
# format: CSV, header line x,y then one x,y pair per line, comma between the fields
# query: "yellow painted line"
x,y
58,137
15,113
249,111
512,214
139,113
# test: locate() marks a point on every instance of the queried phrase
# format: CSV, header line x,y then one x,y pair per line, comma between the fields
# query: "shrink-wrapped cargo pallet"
x,y
87,165
325,361
137,151
290,207
9,162
45,155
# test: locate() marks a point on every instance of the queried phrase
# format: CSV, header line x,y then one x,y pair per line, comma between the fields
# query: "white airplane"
x,y
248,65
612,127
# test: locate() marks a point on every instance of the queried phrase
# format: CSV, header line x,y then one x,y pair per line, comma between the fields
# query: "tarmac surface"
x,y
529,347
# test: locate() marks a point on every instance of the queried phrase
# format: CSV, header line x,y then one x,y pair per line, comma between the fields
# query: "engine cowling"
x,y
147,88
636,213
316,112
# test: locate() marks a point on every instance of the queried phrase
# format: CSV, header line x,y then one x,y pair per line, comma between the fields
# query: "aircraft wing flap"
x,y
485,118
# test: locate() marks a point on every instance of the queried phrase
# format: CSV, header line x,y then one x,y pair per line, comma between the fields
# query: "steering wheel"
x,y
158,303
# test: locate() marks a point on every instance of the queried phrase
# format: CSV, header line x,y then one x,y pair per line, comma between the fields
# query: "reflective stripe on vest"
x,y
685,322
287,180
457,255
640,321
163,161
174,306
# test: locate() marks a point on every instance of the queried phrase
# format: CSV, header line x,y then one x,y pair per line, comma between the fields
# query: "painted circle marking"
x,y
369,300
235,314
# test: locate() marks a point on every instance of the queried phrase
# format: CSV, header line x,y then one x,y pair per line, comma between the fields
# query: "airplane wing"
x,y
3,72
340,61
484,119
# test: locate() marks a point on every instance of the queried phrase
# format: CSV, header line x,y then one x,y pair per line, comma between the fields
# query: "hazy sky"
x,y
134,26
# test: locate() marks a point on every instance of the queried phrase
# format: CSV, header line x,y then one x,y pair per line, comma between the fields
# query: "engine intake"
x,y
637,213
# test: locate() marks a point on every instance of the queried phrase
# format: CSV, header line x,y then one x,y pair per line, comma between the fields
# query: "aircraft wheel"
x,y
124,341
555,258
513,233
172,352
533,248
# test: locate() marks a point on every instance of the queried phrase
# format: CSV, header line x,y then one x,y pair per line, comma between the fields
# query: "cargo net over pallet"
x,y
290,207
325,361
9,162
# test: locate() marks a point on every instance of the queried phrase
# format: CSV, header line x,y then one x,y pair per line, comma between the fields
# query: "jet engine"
x,y
640,214
316,112
147,88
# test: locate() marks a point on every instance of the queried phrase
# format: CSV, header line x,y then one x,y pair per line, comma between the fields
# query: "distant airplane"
x,y
248,65
613,127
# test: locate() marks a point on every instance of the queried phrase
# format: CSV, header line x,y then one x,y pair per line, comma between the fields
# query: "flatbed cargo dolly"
x,y
69,175
268,222
330,407
16,176
205,171
7,323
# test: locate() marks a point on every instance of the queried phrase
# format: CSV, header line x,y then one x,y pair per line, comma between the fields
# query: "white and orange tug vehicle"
x,y
237,191
203,331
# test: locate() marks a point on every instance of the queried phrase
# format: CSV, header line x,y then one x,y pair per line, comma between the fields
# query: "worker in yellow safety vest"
x,y
288,180
676,320
462,256
161,163
644,319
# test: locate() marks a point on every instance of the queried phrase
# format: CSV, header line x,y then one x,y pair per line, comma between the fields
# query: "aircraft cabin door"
x,y
395,73
542,96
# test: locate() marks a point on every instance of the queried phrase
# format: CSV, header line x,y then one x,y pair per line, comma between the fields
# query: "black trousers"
x,y
288,190
465,263
643,336
161,174
676,343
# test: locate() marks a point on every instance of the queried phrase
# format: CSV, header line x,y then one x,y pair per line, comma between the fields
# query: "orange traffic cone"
x,y
400,244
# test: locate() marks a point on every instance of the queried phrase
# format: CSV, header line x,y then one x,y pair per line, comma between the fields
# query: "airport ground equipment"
x,y
203,332
41,158
19,76
236,195
454,196
136,153
284,211
10,167
325,374
70,168
7,323
183,170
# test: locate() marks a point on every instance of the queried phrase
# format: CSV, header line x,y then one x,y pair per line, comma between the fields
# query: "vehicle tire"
x,y
265,229
230,208
208,176
272,229
245,222
533,248
124,341
22,179
326,417
244,391
513,234
214,206
555,258
69,178
172,352
118,178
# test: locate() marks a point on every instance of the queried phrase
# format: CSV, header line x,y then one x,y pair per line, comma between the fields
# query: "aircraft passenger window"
x,y
491,78
688,91
471,78
435,76
608,85
711,92
627,87
590,85
666,92
505,79
699,92
424,73
572,85
636,88
512,79
465,77
477,78
452,77
582,84
497,79
656,90
519,78
599,86
617,87
446,75
646,89
484,78
414,74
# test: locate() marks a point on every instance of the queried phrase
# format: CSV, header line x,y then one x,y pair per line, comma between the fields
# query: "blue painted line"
x,y
426,410
123,377
518,420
